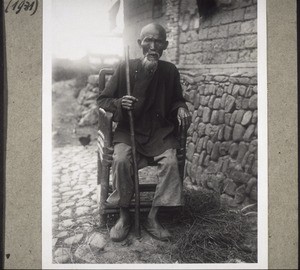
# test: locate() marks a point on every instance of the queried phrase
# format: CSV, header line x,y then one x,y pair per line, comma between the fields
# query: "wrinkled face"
x,y
153,43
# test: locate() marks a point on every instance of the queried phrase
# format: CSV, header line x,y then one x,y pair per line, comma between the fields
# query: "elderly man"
x,y
155,102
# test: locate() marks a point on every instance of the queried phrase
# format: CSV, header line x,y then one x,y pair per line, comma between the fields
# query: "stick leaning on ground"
x,y
135,168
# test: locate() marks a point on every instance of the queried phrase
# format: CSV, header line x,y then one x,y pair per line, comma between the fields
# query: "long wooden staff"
x,y
135,168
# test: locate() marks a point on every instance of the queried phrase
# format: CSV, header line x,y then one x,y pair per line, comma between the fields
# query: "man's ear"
x,y
166,44
139,41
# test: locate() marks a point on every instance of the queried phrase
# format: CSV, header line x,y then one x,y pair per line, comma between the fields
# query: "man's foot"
x,y
154,229
120,230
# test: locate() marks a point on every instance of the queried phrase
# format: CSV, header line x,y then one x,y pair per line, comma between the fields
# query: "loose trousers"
x,y
169,187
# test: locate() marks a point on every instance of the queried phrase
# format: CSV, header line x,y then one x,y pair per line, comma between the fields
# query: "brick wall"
x,y
217,58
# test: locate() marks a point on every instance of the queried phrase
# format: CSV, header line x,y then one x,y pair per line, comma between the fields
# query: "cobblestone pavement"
x,y
77,237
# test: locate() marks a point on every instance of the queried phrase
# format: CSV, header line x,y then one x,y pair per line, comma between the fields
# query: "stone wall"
x,y
217,59
222,139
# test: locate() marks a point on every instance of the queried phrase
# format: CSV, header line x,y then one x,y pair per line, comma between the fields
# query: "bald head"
x,y
153,41
153,28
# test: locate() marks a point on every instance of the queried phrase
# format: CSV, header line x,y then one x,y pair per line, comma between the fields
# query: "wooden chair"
x,y
105,151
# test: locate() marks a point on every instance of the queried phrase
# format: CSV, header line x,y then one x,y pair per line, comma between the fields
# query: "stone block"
x,y
214,117
251,183
242,90
249,132
193,173
234,29
253,102
232,57
200,111
239,177
221,117
215,181
235,43
97,241
214,133
251,12
245,103
208,129
245,158
224,148
206,160
209,146
255,89
197,121
242,149
202,157
206,115
188,165
225,165
240,194
221,133
249,27
190,130
201,88
195,136
239,116
251,41
254,117
253,146
238,103
223,100
233,150
197,101
205,142
228,133
238,132
217,104
227,118
199,145
220,78
194,115
249,91
229,104
230,88
235,90
190,151
211,101
215,151
232,119
229,187
212,32
73,240
246,118
219,92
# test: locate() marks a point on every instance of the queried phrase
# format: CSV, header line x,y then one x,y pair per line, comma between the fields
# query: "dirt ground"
x,y
71,244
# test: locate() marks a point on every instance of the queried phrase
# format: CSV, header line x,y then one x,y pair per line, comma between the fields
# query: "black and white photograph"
x,y
154,134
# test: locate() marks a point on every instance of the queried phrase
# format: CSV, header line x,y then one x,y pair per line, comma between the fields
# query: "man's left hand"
x,y
184,117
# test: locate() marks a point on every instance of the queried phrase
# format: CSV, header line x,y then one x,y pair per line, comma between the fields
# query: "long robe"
x,y
159,96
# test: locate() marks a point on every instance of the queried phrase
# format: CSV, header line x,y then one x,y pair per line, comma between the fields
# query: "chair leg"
x,y
103,220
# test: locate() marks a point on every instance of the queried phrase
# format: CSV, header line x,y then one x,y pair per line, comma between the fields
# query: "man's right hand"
x,y
127,102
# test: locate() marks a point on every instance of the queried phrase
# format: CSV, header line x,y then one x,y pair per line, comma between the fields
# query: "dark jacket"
x,y
159,96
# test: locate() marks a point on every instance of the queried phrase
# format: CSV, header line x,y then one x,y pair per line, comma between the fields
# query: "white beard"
x,y
149,65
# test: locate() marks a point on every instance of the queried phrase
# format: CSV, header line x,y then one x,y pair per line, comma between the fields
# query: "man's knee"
x,y
122,154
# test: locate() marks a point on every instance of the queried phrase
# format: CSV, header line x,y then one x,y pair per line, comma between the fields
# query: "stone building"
x,y
215,49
